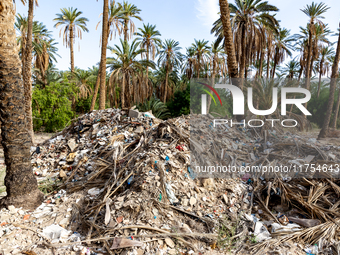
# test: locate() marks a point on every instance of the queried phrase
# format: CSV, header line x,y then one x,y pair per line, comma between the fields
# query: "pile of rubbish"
x,y
129,182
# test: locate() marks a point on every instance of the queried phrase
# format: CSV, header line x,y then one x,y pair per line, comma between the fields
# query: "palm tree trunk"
x,y
268,63
95,92
126,30
243,56
309,55
261,62
71,48
166,84
27,71
320,75
335,74
122,95
21,185
147,74
102,93
228,35
336,112
212,83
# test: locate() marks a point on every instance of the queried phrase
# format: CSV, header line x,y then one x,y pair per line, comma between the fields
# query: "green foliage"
x,y
159,109
180,103
51,106
318,106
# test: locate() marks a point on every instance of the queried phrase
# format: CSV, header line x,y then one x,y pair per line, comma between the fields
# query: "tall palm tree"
x,y
228,38
27,71
201,51
283,47
169,57
190,62
247,17
45,53
21,185
335,74
126,69
291,69
149,38
115,13
82,80
130,11
216,60
314,13
336,111
325,53
102,67
72,27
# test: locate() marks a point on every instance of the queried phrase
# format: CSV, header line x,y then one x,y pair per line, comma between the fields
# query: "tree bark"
x,y
228,39
27,71
243,56
309,55
21,185
335,74
320,75
147,76
122,93
166,83
336,111
102,95
126,30
95,92
71,47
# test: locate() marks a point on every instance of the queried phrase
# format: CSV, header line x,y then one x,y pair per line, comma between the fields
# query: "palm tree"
x,y
217,62
291,69
336,111
127,69
82,80
325,53
27,70
72,27
335,74
130,11
283,47
149,38
228,38
201,51
102,67
45,53
114,26
169,57
248,19
314,12
21,185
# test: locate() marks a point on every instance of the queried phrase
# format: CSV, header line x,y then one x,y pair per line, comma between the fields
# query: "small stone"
x,y
62,174
172,252
192,201
169,242
12,209
185,202
225,198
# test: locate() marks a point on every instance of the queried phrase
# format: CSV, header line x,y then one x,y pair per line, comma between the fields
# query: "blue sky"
x,y
182,20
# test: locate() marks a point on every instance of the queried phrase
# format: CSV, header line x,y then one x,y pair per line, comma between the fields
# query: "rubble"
x,y
128,181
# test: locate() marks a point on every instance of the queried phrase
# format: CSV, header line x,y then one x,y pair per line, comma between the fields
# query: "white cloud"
x,y
207,11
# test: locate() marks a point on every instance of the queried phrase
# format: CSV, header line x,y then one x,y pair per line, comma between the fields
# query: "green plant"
x,y
52,106
48,185
180,103
226,233
159,109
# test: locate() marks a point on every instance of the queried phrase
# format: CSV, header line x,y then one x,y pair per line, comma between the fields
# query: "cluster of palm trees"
x,y
249,43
